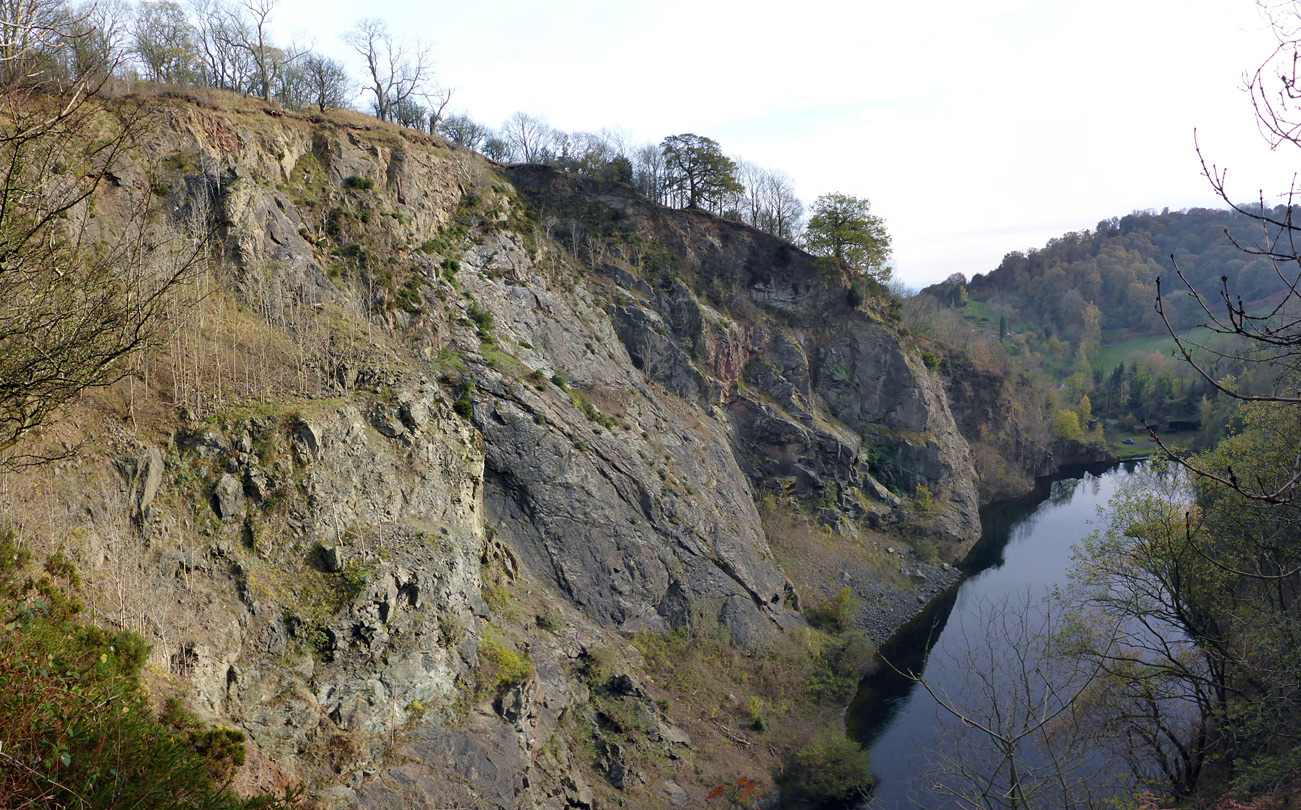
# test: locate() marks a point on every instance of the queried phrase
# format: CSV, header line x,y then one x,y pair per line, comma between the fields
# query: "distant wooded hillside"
x,y
1115,267
1082,313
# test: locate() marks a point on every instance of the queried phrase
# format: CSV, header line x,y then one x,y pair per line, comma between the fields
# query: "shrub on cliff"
x,y
829,770
500,666
76,729
834,614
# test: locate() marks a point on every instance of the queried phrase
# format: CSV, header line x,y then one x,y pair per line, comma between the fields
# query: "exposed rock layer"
x,y
535,395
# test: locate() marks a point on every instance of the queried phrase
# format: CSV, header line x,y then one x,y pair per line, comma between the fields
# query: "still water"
x,y
1024,552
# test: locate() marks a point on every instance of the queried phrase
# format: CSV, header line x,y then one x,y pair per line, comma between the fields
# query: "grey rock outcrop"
x,y
143,475
517,395
742,324
228,497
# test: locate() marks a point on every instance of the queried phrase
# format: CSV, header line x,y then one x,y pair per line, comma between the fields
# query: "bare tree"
x,y
463,130
327,81
768,200
595,154
31,31
410,113
96,38
218,32
292,86
528,136
254,37
750,200
784,211
76,295
436,102
649,173
1017,698
397,71
496,148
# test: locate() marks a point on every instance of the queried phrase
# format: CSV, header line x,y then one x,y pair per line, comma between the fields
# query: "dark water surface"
x,y
1024,551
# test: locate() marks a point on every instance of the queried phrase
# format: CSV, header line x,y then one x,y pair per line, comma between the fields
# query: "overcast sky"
x,y
975,127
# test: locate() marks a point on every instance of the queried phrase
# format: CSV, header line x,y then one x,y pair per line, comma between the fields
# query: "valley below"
x,y
422,479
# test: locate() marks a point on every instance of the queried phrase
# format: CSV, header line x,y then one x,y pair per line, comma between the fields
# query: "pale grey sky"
x,y
975,128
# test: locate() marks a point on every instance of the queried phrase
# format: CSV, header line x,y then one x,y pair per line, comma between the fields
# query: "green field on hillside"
x,y
1127,351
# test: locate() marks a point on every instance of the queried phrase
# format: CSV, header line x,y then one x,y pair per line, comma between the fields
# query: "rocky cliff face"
x,y
727,317
492,423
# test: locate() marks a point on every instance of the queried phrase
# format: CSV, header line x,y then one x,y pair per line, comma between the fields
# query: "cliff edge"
x,y
443,461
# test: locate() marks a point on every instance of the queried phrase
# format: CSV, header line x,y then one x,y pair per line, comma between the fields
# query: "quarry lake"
x,y
1024,551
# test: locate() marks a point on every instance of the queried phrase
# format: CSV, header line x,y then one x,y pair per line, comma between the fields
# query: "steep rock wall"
x,y
729,317
506,397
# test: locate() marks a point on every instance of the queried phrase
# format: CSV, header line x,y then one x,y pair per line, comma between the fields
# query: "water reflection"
x,y
1025,551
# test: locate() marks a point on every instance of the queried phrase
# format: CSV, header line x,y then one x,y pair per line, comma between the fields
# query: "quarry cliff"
x,y
441,457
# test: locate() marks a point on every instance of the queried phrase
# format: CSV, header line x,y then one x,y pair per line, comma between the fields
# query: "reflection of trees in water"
x,y
1063,492
886,711
1164,667
886,693
1011,700
1115,680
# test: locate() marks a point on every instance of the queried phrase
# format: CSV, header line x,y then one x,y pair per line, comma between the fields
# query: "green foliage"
x,y
924,502
1115,266
352,581
451,629
500,665
1066,425
930,359
358,182
854,296
464,406
448,363
884,465
1201,556
1080,310
408,295
186,162
482,318
926,551
546,621
317,641
222,749
755,708
834,614
78,731
697,170
830,769
787,680
839,663
622,714
844,228
597,663
593,414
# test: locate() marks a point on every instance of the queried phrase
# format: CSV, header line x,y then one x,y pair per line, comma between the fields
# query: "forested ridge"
x,y
1079,318
1115,266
